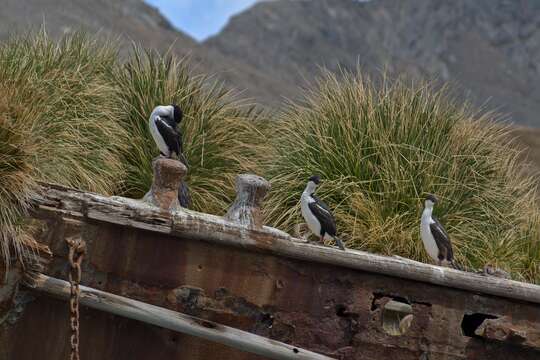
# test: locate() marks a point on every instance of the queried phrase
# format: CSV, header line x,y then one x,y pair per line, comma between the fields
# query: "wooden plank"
x,y
199,226
175,321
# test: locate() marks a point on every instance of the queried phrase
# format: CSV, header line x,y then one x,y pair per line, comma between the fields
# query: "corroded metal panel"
x,y
333,310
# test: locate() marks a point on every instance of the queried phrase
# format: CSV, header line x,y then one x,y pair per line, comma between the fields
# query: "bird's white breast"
x,y
313,224
427,238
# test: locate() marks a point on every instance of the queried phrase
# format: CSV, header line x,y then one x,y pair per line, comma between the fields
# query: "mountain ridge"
x,y
487,48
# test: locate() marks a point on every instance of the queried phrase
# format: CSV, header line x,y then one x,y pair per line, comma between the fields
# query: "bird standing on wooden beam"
x,y
434,236
163,123
317,215
163,127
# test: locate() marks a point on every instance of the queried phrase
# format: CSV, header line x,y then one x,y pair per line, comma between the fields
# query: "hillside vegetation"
x,y
488,48
57,123
220,135
72,113
380,149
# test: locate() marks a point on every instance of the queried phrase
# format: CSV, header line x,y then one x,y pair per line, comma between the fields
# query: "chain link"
x,y
77,249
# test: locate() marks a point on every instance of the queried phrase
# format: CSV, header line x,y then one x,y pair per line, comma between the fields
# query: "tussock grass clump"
x,y
220,136
60,93
381,149
72,113
57,124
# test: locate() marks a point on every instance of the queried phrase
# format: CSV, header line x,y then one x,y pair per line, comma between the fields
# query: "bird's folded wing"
x,y
322,204
170,135
441,237
325,217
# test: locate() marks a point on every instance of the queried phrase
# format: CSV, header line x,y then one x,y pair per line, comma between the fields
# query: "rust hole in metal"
x,y
340,310
397,317
375,301
174,339
471,322
267,319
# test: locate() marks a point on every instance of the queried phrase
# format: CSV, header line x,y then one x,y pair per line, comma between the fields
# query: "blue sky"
x,y
200,18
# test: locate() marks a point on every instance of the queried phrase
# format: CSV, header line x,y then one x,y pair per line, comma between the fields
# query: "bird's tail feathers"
x,y
456,265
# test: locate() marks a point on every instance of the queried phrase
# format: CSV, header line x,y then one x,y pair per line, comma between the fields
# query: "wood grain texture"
x,y
211,228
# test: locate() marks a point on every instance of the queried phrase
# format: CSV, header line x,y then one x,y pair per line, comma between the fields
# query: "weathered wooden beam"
x,y
205,227
175,321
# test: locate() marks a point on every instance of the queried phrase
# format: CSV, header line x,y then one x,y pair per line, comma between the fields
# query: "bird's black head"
x,y
432,198
178,114
316,179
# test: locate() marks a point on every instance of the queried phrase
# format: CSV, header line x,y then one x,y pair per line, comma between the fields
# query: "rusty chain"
x,y
77,249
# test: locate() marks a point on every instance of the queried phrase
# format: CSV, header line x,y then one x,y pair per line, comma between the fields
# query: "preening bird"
x,y
317,215
434,236
163,124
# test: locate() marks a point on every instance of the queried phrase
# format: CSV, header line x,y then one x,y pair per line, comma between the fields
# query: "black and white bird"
x,y
434,236
317,215
163,124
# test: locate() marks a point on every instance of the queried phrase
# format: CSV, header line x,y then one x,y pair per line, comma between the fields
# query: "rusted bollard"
x,y
246,209
168,174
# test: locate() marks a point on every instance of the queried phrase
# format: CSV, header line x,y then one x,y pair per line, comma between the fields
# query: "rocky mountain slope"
x,y
489,49
132,20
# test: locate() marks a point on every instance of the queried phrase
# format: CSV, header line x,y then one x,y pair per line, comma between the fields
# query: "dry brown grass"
x,y
58,123
220,133
381,149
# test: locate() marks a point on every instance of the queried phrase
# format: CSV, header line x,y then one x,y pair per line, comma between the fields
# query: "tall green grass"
x,y
61,94
72,113
57,123
220,134
381,149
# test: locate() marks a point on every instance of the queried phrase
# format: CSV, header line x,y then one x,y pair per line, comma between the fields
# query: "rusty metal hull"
x,y
327,309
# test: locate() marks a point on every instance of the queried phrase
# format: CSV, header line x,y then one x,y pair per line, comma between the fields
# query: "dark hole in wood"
x,y
471,322
340,310
208,324
199,267
295,350
174,339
